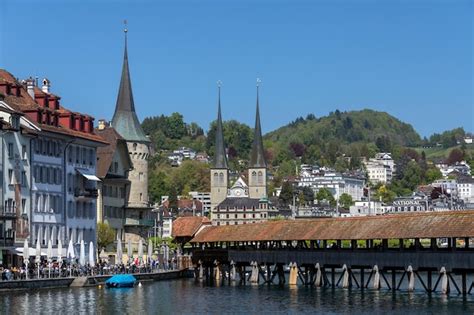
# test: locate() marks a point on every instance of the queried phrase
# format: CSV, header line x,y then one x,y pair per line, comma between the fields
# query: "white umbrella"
x,y
140,250
60,251
150,251
38,252
129,250
49,255
119,251
70,250
26,256
91,255
38,255
82,254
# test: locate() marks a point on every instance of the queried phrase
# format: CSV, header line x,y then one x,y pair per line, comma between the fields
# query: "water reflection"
x,y
190,297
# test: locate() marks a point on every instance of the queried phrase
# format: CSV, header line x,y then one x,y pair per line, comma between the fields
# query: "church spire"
x,y
257,157
220,159
125,119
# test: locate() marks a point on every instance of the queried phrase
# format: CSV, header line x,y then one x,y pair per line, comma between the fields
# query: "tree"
x,y
432,174
286,194
456,155
325,194
105,236
384,194
345,200
308,195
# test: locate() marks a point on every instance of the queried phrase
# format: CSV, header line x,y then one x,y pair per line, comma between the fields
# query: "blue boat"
x,y
121,281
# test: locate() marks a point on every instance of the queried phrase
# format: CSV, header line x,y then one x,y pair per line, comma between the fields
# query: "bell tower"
x,y
257,171
219,168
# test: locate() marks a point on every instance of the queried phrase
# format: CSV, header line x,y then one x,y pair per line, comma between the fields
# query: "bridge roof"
x,y
394,226
188,226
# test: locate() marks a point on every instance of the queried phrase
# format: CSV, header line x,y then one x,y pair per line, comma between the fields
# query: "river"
x,y
185,296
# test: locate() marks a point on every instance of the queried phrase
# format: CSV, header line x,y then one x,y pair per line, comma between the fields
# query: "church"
x,y
242,203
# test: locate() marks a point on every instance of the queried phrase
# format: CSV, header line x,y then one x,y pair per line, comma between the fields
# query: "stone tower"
x,y
257,172
219,168
125,122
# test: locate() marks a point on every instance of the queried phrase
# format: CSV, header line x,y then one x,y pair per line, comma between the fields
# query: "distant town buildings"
x,y
336,183
380,169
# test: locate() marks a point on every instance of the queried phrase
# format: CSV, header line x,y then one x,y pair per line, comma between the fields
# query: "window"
x,y
134,147
254,177
78,153
24,154
10,150
221,178
84,156
140,176
69,153
216,177
23,179
91,157
115,167
10,176
260,178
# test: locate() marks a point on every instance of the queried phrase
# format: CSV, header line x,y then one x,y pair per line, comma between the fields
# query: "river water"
x,y
185,296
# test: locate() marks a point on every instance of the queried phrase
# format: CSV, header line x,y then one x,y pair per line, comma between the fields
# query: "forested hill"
x,y
366,125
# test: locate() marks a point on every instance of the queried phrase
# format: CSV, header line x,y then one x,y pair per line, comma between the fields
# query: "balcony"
x,y
85,193
8,214
139,222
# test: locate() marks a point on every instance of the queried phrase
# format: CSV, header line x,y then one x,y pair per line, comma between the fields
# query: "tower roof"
x,y
257,157
220,158
125,119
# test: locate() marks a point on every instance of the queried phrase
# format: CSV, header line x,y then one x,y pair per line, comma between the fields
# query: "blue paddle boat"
x,y
121,281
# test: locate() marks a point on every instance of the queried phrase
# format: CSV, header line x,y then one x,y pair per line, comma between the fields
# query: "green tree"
x,y
105,236
286,194
345,200
384,194
432,174
173,200
175,126
325,194
308,195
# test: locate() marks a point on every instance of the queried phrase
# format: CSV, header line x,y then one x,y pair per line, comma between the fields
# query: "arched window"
x,y
221,178
216,178
260,177
134,147
254,177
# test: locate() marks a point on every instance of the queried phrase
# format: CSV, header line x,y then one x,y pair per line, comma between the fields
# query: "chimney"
x,y
102,124
30,87
46,85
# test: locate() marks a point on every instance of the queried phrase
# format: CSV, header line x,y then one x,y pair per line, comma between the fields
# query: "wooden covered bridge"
x,y
435,250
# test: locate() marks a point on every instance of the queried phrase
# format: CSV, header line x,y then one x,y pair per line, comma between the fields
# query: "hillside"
x,y
346,127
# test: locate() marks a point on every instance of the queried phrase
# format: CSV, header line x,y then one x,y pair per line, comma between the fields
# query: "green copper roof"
x,y
257,157
220,158
125,120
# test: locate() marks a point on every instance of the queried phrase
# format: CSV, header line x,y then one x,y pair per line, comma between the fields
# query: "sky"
x,y
412,59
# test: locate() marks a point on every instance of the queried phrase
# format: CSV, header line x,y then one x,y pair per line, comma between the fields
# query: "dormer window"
x,y
15,121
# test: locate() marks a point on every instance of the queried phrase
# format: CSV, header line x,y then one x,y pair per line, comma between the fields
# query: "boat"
x,y
121,281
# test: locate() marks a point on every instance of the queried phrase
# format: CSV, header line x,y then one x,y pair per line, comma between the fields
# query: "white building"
x,y
204,198
381,168
364,208
465,189
337,183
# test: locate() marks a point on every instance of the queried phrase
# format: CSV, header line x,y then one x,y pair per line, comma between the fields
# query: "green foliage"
x,y
179,181
384,194
433,174
325,194
238,138
448,138
345,200
286,194
158,241
105,235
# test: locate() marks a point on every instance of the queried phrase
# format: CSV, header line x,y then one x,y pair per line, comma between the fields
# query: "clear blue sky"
x,y
413,59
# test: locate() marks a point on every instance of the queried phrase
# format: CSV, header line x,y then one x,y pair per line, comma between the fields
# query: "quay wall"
x,y
91,280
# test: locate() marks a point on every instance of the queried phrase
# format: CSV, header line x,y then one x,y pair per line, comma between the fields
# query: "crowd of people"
x,y
72,268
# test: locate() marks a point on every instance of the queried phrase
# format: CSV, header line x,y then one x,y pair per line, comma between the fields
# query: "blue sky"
x,y
413,59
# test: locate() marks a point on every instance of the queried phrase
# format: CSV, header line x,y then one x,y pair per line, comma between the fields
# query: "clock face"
x,y
238,192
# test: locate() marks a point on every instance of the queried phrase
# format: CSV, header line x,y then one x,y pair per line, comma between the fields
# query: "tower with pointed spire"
x,y
126,123
219,168
257,171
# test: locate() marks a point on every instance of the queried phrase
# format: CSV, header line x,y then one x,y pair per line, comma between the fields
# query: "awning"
x,y
87,174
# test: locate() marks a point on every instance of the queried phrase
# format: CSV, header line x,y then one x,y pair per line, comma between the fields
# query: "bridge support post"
x,y
464,283
281,274
394,280
362,283
429,281
333,277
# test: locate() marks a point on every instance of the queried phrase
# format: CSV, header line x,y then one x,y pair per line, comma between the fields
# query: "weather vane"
x,y
125,26
258,82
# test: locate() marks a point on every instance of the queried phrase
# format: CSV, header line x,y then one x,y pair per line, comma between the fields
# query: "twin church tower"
x,y
241,203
